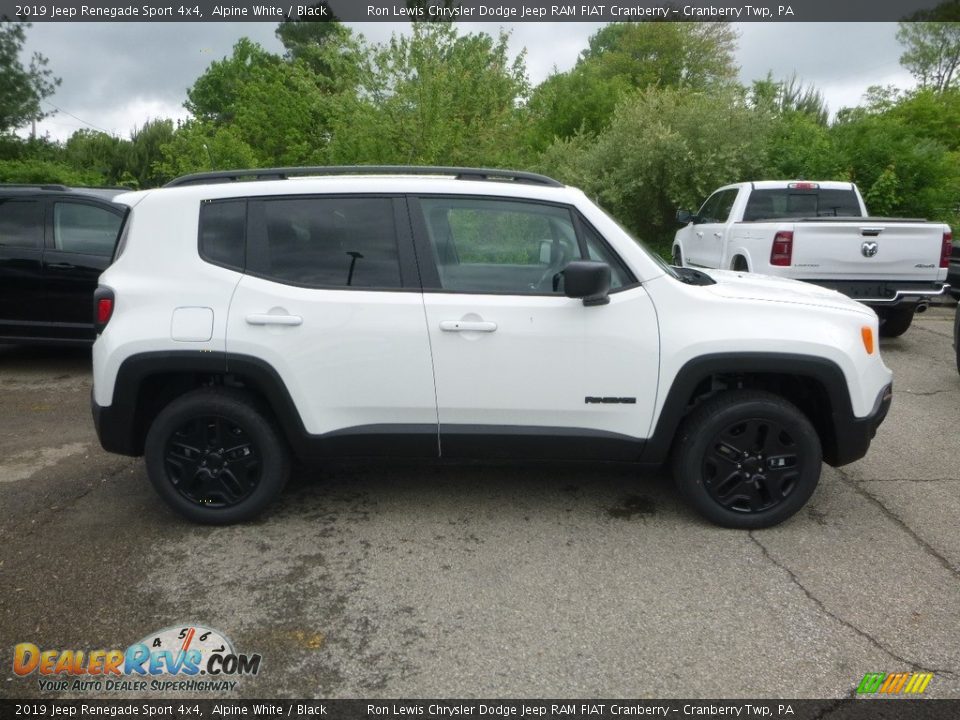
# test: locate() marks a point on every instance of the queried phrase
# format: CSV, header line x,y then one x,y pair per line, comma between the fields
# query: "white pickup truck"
x,y
820,232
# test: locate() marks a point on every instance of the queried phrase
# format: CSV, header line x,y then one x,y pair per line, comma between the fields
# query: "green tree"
x,y
624,57
664,148
198,145
932,45
21,88
103,154
435,97
145,153
899,164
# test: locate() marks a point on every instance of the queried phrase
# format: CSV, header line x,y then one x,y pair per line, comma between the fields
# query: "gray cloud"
x,y
118,75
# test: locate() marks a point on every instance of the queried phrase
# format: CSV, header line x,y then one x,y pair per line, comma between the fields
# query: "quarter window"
x,y
328,242
85,229
21,224
223,232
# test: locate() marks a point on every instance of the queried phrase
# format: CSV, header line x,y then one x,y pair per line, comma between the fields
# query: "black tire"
x,y
214,458
677,257
894,322
723,459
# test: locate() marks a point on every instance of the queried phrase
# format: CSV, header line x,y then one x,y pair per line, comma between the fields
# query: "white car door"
x,y
709,229
521,369
331,301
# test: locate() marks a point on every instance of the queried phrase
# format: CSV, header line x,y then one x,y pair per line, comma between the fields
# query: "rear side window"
x,y
223,233
21,224
787,203
85,229
328,242
717,207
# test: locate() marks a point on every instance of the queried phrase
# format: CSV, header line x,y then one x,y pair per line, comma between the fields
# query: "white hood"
x,y
750,286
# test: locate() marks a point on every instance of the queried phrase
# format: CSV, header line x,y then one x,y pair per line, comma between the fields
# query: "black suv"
x,y
54,243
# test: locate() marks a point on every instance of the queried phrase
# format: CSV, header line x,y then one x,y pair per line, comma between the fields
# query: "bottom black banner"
x,y
854,709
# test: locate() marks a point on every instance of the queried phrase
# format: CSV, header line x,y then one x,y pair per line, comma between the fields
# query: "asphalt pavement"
x,y
415,581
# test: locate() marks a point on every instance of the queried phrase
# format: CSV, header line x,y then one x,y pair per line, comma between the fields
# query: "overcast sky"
x,y
118,75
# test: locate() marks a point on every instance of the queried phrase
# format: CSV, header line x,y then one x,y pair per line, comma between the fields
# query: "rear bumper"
x,y
886,293
114,430
852,435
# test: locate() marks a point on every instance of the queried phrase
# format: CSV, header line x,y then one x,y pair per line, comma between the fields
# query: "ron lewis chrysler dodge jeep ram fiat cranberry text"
x,y
457,313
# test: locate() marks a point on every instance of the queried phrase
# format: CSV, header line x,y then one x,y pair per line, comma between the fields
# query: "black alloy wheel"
x,y
751,466
212,461
747,459
216,457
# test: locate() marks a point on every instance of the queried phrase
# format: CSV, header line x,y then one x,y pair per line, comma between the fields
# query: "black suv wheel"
x,y
747,459
214,458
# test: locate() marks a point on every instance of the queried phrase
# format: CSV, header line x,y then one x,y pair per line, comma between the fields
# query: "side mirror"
x,y
589,280
684,216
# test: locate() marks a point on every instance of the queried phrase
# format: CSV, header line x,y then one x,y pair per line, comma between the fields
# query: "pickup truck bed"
x,y
895,265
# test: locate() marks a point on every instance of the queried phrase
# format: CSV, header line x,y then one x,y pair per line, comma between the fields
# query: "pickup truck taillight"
x,y
946,249
781,252
103,301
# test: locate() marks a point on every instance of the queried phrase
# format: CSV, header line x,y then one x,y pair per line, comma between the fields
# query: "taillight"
x,y
781,252
946,249
103,303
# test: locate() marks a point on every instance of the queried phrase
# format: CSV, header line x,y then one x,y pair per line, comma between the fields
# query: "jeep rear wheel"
x,y
214,458
747,459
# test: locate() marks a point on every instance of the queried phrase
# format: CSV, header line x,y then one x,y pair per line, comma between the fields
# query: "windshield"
x,y
667,268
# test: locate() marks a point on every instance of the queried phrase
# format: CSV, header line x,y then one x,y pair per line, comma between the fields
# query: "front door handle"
x,y
467,326
266,319
699,234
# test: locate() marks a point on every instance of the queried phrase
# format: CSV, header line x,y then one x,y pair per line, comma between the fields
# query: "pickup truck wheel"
x,y
214,458
677,257
747,459
894,322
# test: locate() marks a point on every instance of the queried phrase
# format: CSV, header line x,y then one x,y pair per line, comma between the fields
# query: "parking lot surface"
x,y
494,581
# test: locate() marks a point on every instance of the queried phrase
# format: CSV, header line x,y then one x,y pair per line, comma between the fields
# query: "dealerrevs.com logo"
x,y
190,658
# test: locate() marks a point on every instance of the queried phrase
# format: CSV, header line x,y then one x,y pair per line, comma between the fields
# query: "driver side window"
x,y
500,246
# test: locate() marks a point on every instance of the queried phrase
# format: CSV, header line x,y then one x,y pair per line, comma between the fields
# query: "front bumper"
x,y
852,435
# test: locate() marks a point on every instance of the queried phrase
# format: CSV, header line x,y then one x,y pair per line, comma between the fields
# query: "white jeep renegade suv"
x,y
251,316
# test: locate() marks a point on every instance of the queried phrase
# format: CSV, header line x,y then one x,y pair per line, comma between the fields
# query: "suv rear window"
x,y
223,230
788,203
85,229
327,242
21,224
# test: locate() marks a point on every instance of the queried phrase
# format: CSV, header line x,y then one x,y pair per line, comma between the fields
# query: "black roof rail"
x,y
33,186
460,173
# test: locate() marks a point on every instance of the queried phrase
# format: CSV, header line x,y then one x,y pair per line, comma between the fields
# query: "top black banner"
x,y
493,11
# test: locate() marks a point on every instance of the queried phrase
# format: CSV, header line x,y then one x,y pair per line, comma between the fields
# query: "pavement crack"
x,y
926,394
914,480
826,611
897,520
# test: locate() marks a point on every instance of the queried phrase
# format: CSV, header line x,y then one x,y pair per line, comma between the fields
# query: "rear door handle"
x,y
467,326
265,319
718,235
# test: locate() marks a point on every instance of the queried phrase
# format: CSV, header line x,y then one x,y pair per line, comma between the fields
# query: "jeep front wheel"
x,y
747,459
214,458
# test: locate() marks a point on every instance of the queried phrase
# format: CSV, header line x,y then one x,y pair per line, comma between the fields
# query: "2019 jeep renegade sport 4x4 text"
x,y
449,312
